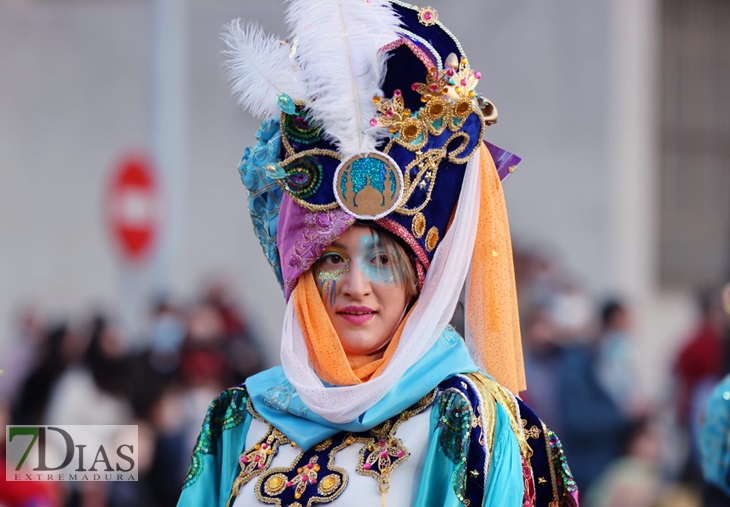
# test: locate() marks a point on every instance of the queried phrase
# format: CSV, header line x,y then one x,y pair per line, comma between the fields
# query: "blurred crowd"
x,y
582,364
624,449
87,373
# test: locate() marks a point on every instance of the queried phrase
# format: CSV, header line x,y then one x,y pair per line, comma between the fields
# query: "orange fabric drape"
x,y
492,314
328,357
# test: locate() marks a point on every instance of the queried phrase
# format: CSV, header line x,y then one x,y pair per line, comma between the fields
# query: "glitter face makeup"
x,y
373,260
361,293
332,265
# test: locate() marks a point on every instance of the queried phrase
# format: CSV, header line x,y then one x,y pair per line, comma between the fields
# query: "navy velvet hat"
x,y
428,121
410,186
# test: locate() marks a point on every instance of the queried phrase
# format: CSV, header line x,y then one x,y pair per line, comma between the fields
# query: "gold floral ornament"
x,y
449,93
396,117
306,475
380,458
436,85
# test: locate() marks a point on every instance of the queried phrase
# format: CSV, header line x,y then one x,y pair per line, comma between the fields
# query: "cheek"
x,y
393,298
328,283
377,274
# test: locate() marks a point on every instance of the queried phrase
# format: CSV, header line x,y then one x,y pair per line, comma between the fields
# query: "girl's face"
x,y
359,290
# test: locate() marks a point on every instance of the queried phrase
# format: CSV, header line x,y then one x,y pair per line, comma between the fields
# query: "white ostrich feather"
x,y
260,69
338,51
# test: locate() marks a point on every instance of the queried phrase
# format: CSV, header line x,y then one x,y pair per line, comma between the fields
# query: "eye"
x,y
331,260
380,259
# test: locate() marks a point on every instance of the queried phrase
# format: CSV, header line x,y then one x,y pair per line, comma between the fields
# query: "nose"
x,y
354,283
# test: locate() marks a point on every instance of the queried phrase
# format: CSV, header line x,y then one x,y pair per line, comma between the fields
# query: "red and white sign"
x,y
132,208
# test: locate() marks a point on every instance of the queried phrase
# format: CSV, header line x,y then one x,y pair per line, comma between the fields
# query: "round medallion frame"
x,y
368,166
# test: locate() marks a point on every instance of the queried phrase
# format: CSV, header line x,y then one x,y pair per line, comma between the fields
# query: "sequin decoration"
x,y
418,226
299,128
567,488
428,16
455,421
369,185
227,411
303,177
432,238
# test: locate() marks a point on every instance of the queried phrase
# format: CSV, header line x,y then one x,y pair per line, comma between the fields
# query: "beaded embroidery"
x,y
225,412
313,477
258,459
306,482
300,128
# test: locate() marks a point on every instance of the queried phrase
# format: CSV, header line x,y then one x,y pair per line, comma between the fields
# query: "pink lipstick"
x,y
356,314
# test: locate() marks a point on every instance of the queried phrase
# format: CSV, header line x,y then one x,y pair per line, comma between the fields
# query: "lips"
x,y
357,314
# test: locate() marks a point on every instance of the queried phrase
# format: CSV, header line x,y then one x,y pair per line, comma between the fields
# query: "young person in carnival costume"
x,y
376,199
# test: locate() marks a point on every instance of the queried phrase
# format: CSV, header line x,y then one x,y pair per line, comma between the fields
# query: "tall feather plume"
x,y
338,51
260,69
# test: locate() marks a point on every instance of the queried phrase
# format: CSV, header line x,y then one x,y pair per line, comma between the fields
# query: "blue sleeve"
x,y
214,464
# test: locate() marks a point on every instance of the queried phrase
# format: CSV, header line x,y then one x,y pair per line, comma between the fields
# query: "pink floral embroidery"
x,y
319,229
528,499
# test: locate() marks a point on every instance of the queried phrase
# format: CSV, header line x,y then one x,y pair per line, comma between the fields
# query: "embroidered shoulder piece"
x,y
466,436
227,411
467,416
553,482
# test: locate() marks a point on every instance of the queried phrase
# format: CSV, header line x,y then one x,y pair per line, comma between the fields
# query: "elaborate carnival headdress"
x,y
371,114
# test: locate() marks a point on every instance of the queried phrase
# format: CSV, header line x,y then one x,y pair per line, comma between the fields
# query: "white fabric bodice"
x,y
361,490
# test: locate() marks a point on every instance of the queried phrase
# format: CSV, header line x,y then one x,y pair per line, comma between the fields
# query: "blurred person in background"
x,y
165,336
23,353
714,446
57,350
614,358
634,479
593,424
543,363
96,377
23,493
700,364
241,345
92,391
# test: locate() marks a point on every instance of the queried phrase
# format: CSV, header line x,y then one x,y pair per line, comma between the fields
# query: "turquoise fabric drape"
x,y
277,402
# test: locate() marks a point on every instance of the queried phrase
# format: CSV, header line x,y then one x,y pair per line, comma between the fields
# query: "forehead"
x,y
355,236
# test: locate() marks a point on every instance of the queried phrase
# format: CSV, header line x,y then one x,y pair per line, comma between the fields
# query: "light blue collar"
x,y
276,400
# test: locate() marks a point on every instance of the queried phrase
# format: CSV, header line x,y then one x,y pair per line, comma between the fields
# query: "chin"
x,y
361,345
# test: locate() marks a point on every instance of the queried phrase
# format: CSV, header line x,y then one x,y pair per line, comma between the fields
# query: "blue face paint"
x,y
373,260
